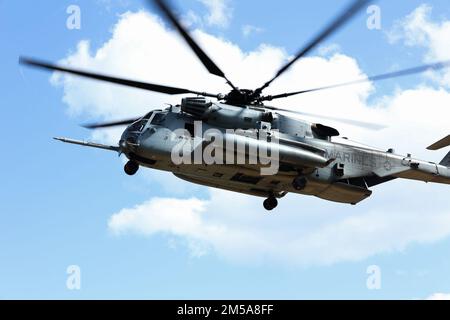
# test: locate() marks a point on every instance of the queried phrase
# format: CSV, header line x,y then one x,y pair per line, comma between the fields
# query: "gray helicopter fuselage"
x,y
335,169
275,154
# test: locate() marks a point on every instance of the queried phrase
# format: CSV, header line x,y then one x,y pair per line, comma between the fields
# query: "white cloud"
x,y
248,30
303,230
329,49
191,19
172,216
220,12
439,296
419,30
236,228
109,4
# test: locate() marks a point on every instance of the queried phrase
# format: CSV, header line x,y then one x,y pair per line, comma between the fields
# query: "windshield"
x,y
139,125
158,118
148,115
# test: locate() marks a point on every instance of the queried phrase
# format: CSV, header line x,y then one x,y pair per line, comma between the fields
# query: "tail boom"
x,y
429,171
426,171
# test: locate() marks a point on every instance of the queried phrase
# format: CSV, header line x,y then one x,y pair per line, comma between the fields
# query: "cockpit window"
x,y
139,125
158,118
148,115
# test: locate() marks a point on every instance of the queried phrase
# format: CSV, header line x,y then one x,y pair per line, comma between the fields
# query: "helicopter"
x,y
311,158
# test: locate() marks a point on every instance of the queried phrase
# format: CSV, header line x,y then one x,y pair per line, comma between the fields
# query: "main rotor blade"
x,y
121,81
390,75
356,123
207,62
98,125
334,26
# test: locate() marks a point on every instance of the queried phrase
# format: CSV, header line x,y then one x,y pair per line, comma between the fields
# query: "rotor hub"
x,y
242,97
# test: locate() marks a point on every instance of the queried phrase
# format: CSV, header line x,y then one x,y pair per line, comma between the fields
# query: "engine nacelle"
x,y
198,106
223,115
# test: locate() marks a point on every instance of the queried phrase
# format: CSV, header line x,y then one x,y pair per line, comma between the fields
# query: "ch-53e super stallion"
x,y
311,158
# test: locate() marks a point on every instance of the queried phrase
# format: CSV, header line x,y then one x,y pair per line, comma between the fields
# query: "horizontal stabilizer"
x,y
440,144
88,144
446,160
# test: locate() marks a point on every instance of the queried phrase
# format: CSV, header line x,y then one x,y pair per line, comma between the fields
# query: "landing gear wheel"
x,y
270,203
131,168
299,183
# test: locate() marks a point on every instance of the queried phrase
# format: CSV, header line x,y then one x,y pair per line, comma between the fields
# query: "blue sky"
x,y
57,200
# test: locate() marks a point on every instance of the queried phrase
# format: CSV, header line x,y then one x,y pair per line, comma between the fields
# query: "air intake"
x,y
195,106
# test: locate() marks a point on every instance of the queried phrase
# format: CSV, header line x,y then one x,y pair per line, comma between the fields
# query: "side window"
x,y
158,118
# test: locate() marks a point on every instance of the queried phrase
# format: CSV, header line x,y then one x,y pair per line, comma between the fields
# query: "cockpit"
x,y
156,117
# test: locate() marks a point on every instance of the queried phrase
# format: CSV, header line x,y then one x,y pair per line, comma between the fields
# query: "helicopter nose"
x,y
129,141
123,145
